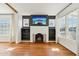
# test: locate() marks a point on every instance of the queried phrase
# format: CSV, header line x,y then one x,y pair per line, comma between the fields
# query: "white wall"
x,y
20,14
77,35
4,9
19,26
68,9
68,41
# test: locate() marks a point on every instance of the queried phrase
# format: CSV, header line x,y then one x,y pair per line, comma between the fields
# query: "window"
x,y
5,27
72,23
62,25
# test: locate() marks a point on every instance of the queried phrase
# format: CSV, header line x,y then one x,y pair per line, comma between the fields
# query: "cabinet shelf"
x,y
25,34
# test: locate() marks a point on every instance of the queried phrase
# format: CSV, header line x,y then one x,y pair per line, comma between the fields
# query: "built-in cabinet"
x,y
25,33
25,30
51,28
26,24
51,34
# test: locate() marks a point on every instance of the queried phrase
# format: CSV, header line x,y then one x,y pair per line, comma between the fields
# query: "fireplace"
x,y
39,34
39,37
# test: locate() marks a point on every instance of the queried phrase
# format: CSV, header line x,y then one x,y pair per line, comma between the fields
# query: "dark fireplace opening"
x,y
39,37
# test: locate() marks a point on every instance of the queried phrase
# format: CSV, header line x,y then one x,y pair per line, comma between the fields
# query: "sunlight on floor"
x,y
10,49
55,49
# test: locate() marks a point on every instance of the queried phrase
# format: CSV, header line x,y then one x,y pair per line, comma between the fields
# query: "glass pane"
x,y
72,23
51,22
62,25
5,27
25,22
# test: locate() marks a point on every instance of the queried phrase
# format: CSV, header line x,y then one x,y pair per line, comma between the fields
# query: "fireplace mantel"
x,y
39,29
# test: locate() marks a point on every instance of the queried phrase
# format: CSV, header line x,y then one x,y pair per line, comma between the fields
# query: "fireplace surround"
x,y
39,31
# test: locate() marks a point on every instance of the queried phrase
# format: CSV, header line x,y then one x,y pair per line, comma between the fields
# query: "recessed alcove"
x,y
39,37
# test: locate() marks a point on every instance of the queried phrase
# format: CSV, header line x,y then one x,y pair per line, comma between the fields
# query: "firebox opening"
x,y
39,37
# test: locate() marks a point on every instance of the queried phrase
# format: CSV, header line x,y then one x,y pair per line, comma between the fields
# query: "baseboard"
x,y
7,42
67,48
25,41
33,42
51,41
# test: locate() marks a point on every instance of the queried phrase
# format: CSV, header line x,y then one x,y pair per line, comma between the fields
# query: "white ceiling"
x,y
39,8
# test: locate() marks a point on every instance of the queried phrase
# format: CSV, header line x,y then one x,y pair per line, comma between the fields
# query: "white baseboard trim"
x,y
25,41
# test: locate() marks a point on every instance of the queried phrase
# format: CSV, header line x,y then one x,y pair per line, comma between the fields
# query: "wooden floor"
x,y
34,49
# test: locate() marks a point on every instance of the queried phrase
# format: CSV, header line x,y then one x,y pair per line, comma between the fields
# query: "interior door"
x,y
5,27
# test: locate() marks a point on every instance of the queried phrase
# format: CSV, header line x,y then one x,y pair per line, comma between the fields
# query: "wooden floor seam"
x,y
34,49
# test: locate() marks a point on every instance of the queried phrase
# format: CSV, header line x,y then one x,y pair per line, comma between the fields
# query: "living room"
x,y
46,26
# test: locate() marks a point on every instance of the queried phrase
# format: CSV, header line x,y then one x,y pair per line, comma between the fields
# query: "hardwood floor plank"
x,y
34,49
